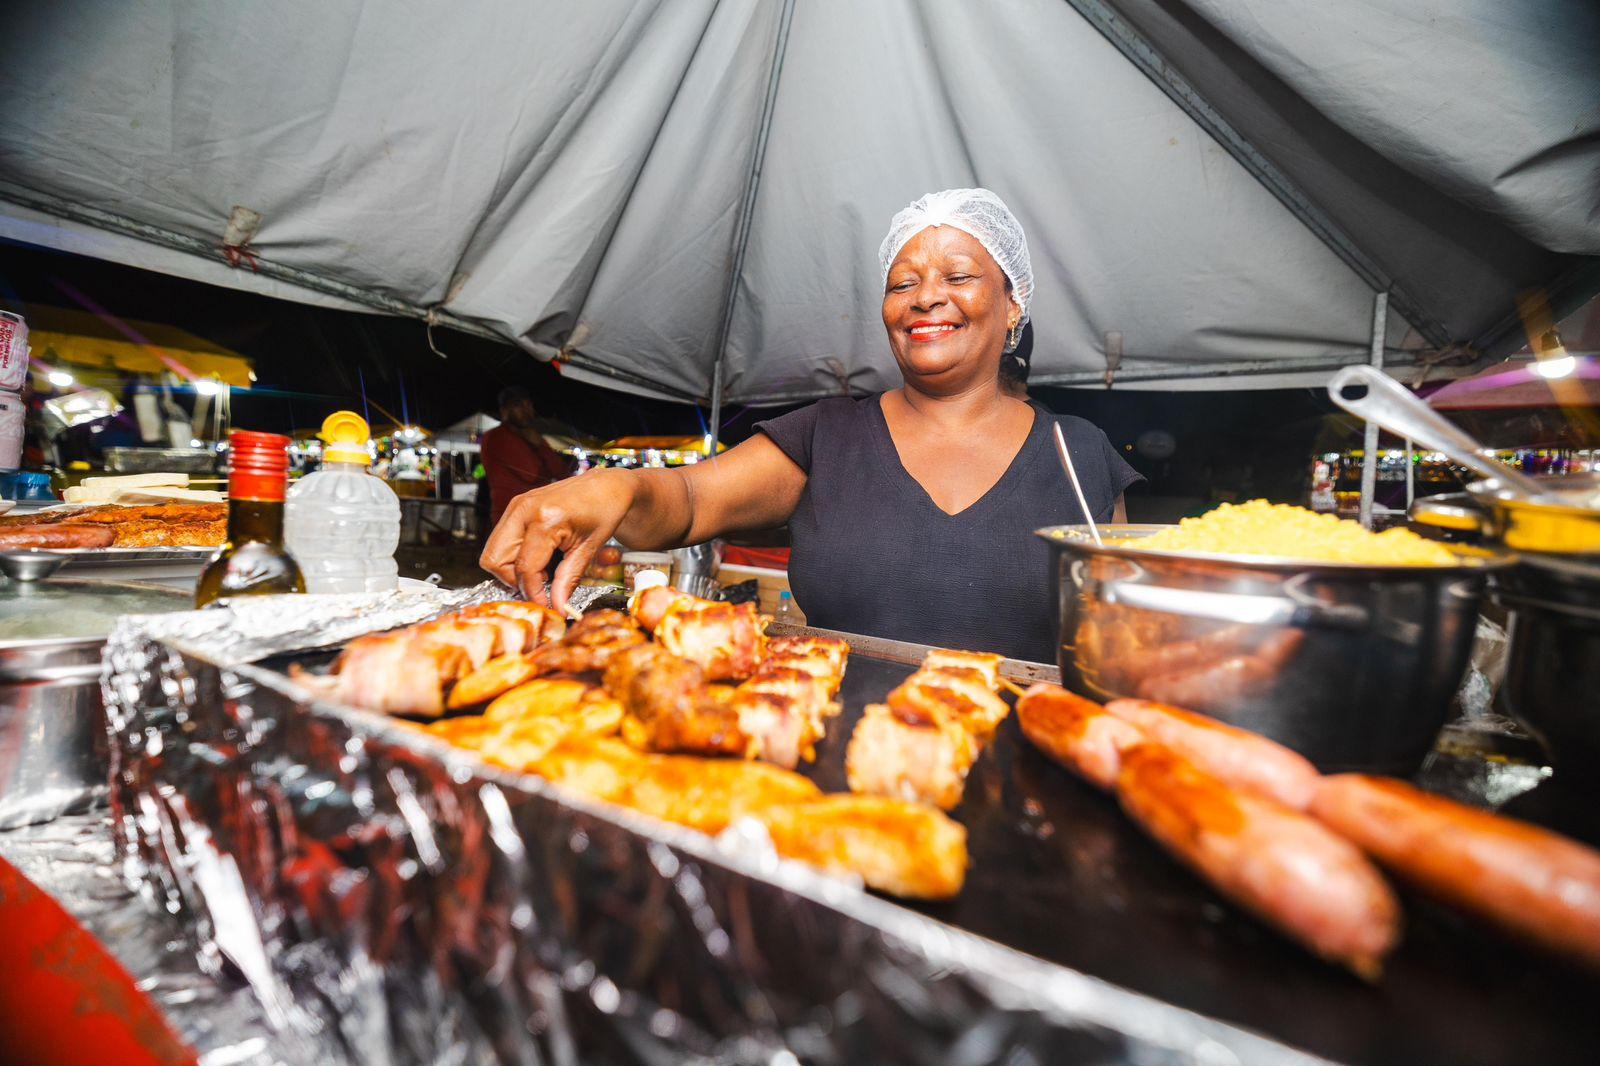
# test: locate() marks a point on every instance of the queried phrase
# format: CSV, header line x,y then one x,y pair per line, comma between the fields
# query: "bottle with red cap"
x,y
253,561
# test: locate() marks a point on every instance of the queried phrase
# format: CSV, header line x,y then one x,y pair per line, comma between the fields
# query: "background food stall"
x,y
160,395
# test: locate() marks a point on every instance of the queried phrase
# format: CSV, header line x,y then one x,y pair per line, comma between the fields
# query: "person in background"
x,y
514,455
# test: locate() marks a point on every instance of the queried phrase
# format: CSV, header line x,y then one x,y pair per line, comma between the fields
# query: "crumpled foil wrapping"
x,y
73,859
253,628
389,899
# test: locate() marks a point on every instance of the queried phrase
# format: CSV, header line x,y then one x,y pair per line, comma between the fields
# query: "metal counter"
x,y
388,898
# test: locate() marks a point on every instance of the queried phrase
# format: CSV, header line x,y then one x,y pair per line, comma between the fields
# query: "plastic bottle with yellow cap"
x,y
343,524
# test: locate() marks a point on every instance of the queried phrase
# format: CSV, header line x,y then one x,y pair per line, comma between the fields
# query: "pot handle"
x,y
1454,512
1295,608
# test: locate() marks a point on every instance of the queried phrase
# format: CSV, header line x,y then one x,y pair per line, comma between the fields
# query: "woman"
x,y
912,512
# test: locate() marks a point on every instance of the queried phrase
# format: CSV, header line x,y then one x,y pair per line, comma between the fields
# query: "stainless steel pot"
x,y
1352,666
1552,599
52,730
1552,680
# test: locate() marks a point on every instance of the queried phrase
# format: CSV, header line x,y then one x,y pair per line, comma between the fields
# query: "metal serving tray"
x,y
382,889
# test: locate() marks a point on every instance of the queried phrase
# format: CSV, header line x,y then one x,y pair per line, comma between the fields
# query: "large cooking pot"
x,y
52,731
1552,598
1353,666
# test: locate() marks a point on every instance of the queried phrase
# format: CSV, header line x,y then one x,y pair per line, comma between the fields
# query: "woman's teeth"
x,y
931,329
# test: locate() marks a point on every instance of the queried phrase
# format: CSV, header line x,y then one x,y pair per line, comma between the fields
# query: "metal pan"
x,y
1353,666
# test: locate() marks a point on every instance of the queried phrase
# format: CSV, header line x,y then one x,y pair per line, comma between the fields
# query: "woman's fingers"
x,y
532,569
521,545
571,570
573,517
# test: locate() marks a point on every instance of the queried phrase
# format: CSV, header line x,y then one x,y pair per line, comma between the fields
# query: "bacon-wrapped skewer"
x,y
585,648
410,670
724,639
922,740
395,673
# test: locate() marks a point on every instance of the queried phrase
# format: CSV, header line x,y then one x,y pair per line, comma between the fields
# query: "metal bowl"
x,y
1353,666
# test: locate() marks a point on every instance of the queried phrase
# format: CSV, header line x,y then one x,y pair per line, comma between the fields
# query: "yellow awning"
x,y
58,335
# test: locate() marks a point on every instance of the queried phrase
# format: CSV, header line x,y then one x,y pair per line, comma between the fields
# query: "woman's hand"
x,y
753,486
575,517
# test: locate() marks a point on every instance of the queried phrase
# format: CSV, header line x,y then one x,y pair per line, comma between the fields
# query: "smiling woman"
x,y
911,512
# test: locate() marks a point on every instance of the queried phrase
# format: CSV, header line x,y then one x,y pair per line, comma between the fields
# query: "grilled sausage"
x,y
1238,756
1277,863
58,535
1077,733
1535,884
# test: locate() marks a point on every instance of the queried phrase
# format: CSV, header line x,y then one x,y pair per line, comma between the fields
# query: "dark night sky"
x,y
311,361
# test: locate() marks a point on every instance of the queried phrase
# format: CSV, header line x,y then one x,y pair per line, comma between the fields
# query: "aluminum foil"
x,y
73,859
253,628
389,899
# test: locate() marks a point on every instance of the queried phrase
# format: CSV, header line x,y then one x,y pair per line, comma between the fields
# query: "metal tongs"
x,y
1077,486
1392,406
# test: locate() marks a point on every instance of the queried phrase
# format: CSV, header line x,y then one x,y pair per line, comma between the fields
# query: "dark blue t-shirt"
x,y
874,554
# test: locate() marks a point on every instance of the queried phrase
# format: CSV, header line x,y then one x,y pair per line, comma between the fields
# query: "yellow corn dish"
x,y
1281,531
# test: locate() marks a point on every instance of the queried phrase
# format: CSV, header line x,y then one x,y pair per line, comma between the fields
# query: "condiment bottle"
x,y
344,524
253,561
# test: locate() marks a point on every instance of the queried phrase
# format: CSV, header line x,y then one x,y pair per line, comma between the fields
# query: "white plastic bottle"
x,y
343,524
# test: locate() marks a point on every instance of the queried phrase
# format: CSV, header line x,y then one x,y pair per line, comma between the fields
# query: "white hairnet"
x,y
977,212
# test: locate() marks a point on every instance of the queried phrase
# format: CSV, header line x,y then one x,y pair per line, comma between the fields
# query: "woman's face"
x,y
947,308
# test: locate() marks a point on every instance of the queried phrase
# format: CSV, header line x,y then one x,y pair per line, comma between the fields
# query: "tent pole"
x,y
1369,454
741,240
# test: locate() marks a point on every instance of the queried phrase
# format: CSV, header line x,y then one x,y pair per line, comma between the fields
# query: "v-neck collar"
x,y
913,490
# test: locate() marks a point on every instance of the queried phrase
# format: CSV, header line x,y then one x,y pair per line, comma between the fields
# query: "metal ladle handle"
x,y
1392,406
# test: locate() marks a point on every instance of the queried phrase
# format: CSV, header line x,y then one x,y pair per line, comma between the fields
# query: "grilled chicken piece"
x,y
920,743
985,663
589,644
588,708
554,649
800,651
958,692
924,760
477,639
783,730
704,794
905,849
548,625
395,673
723,639
711,794
670,708
499,675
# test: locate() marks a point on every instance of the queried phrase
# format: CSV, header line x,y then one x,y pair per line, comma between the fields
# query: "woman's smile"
x,y
926,332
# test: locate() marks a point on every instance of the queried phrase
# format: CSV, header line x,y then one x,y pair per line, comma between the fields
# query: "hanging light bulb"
x,y
1559,367
61,379
1551,360
207,386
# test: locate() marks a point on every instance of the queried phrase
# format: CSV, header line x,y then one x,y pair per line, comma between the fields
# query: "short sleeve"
x,y
793,433
1119,474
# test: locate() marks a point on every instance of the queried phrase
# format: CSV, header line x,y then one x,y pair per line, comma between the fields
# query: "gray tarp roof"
x,y
1209,186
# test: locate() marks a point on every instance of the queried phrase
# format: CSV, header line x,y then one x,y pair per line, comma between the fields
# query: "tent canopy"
x,y
58,335
673,194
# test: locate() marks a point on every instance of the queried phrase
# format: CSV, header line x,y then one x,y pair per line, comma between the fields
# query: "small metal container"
x,y
52,729
1352,666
